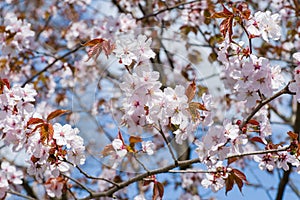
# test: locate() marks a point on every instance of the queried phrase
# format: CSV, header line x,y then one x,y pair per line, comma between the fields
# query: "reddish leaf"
x,y
4,82
232,160
293,136
239,174
257,139
224,14
55,114
253,122
191,91
33,121
93,42
226,27
108,150
239,182
108,47
134,139
229,183
158,191
46,133
96,47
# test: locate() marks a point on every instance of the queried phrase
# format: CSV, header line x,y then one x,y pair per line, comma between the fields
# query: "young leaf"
x,y
191,91
33,121
108,47
55,114
134,139
3,82
160,187
257,139
229,183
158,191
46,133
96,47
239,174
293,136
232,160
108,150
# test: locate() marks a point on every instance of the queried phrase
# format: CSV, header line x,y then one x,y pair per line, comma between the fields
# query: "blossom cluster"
x,y
129,49
145,103
266,25
249,78
47,145
16,36
9,177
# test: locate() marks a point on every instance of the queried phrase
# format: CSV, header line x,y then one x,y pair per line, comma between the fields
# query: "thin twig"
x,y
145,168
95,178
167,169
166,9
20,195
168,143
51,64
285,90
80,184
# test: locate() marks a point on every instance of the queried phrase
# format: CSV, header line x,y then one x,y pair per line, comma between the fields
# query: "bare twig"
x,y
167,169
51,64
285,90
78,183
166,9
20,195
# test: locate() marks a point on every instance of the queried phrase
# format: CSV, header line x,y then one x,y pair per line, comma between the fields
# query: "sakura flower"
x,y
148,147
213,182
231,130
127,22
119,147
268,25
54,187
143,48
63,134
265,161
125,50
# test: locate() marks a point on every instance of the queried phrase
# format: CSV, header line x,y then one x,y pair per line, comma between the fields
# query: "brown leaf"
x,y
108,150
257,139
93,42
232,160
108,47
253,122
239,174
224,14
46,133
34,121
194,108
229,182
4,82
191,91
158,191
96,47
134,139
293,136
55,114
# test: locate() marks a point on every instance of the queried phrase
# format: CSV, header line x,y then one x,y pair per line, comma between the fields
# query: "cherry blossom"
x,y
267,24
148,147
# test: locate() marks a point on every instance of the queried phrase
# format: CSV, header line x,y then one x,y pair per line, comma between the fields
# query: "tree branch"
x,y
285,90
20,195
169,168
51,64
